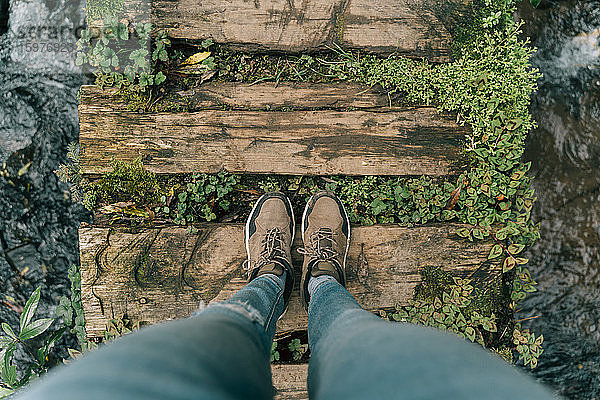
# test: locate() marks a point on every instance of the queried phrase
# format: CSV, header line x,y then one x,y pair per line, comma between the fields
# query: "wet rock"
x,y
27,260
3,16
18,123
38,224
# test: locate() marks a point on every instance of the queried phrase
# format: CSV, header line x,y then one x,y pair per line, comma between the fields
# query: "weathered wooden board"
x,y
246,96
166,272
290,381
374,141
412,28
415,28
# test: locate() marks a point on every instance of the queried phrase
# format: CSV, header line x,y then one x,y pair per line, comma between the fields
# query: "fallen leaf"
x,y
196,58
455,195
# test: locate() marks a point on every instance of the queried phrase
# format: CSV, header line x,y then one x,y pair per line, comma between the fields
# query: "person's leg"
x,y
357,355
221,353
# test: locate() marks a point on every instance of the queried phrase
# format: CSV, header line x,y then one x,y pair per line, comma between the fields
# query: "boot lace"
x,y
272,247
321,246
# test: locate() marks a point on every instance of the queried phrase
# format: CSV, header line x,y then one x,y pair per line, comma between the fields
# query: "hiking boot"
x,y
326,236
269,235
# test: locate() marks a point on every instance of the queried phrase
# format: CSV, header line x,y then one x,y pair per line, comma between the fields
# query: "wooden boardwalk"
x,y
165,272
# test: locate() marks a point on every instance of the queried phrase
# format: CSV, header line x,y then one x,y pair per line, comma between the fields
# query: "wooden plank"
x,y
415,28
290,381
162,273
412,28
374,141
246,96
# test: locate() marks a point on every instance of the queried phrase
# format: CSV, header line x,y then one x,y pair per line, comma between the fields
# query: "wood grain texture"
x,y
246,96
165,273
414,28
290,381
373,141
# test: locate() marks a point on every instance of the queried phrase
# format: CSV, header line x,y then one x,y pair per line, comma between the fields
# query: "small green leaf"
x,y
501,234
521,260
481,152
8,330
121,31
35,328
515,248
162,55
509,263
80,58
30,308
495,251
65,310
462,232
9,371
5,341
514,123
535,3
470,333
517,175
159,78
50,342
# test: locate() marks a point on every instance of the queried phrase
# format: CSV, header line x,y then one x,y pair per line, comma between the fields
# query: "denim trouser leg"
x,y
356,355
220,354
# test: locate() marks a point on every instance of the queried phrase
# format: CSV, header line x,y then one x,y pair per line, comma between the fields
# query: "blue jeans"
x,y
223,353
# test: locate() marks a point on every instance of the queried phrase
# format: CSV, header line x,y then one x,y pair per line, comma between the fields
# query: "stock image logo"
x,y
47,38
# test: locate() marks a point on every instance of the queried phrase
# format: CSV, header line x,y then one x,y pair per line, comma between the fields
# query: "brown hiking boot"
x,y
269,235
326,236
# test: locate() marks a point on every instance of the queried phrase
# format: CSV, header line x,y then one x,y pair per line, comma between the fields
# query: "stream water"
x,y
565,153
38,222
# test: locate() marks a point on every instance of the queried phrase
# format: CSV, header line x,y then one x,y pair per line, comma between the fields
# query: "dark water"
x,y
565,151
38,222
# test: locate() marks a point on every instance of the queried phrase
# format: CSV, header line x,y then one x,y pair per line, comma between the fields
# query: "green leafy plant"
x,y
527,345
29,329
455,305
119,327
274,352
71,173
70,309
297,349
122,56
200,199
452,307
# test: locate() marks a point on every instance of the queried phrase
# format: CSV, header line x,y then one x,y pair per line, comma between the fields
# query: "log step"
x,y
413,28
163,273
290,381
312,141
